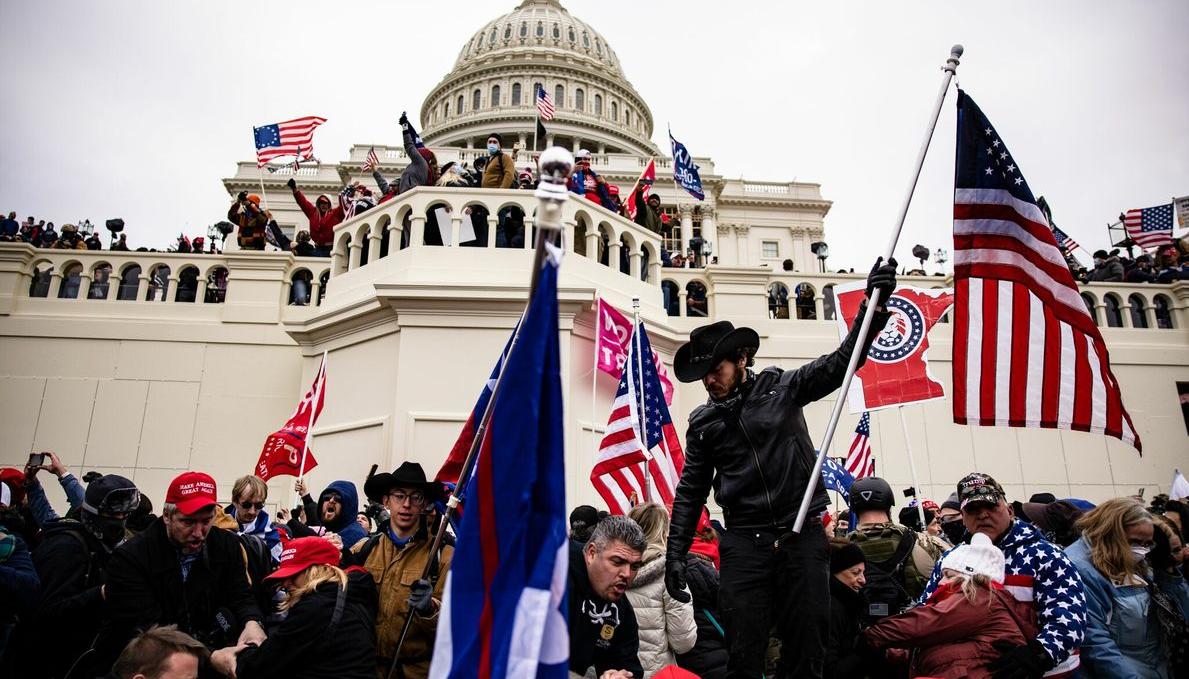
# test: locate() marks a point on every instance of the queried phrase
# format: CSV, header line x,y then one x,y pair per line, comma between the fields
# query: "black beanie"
x,y
583,516
842,558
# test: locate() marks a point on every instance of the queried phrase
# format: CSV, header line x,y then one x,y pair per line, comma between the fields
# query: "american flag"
x,y
859,461
1064,241
347,201
544,104
1149,226
618,473
1026,351
372,161
290,138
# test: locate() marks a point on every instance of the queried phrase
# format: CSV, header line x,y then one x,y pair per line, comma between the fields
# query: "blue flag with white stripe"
x,y
685,173
836,478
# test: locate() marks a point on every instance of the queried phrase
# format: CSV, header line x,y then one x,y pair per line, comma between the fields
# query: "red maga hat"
x,y
302,553
191,492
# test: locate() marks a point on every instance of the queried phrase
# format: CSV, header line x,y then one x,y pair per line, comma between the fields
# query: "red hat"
x,y
613,189
15,480
674,672
302,553
191,492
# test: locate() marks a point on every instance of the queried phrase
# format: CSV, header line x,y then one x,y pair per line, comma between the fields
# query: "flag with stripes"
x,y
1064,241
1150,226
1026,351
347,201
290,138
859,461
544,104
372,161
619,471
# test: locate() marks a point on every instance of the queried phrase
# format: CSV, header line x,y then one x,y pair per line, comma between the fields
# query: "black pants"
x,y
762,588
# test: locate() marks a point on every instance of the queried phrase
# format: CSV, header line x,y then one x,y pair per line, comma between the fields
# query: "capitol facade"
x,y
149,364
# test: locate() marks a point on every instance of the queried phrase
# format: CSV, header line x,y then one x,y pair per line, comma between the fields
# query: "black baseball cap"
x,y
978,487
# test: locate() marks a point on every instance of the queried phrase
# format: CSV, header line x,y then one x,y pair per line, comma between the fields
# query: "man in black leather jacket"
x,y
751,444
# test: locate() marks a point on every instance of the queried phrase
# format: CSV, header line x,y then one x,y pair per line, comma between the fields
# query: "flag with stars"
x,y
1150,226
290,138
627,473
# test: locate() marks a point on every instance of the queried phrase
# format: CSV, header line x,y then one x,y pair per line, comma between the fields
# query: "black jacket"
x,y
306,645
757,452
708,658
144,587
590,614
847,608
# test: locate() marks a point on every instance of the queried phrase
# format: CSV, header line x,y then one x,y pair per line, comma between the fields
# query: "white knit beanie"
x,y
980,557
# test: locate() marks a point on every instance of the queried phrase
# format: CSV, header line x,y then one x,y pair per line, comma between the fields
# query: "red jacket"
x,y
952,635
321,224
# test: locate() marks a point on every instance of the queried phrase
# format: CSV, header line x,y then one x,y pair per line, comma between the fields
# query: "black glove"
x,y
421,598
1023,661
882,278
243,195
292,184
675,580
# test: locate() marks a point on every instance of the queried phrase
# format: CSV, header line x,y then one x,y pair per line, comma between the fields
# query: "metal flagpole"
x,y
594,372
319,380
555,167
951,67
640,398
912,468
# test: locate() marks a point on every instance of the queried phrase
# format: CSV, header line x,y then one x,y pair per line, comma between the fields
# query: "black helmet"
x,y
871,492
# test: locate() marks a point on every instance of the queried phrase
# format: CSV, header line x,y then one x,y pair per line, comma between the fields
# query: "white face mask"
x,y
493,149
1140,553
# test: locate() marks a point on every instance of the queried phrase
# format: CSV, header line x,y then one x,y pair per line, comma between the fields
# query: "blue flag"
x,y
685,172
502,612
836,478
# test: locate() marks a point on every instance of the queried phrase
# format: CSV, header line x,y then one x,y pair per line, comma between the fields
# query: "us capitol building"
x,y
148,364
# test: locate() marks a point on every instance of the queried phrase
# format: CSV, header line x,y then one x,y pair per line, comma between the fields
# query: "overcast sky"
x,y
139,109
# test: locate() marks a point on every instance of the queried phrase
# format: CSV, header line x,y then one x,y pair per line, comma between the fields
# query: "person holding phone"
x,y
39,505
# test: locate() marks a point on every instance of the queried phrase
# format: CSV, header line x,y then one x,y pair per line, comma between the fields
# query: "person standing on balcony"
x,y
422,169
500,172
246,213
323,216
585,182
751,443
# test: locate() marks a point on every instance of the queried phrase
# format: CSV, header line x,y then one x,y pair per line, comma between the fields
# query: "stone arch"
x,y
1113,310
361,236
649,253
627,245
342,253
129,281
301,281
511,221
158,287
216,284
778,300
1091,305
100,280
381,229
671,294
804,294
1137,307
324,282
187,284
697,302
72,275
434,230
1163,309
41,273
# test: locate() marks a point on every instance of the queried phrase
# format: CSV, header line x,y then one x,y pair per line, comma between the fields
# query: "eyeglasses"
x,y
249,505
416,498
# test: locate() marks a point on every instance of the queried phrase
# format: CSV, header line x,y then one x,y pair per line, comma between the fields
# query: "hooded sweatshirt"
x,y
344,524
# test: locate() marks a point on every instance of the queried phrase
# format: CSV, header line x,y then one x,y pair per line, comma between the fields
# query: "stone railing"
x,y
499,218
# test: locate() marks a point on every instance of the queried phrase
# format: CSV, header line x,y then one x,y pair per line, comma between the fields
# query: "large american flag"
x,y
1026,351
618,473
290,138
1149,226
544,104
859,461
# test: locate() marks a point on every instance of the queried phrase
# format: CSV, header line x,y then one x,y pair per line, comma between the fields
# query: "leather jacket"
x,y
754,447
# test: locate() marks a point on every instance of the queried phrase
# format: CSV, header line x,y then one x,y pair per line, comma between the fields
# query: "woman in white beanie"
x,y
955,632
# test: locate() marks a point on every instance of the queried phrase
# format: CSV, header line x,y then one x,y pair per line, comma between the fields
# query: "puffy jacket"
x,y
321,223
252,222
1039,572
395,569
953,635
1109,271
308,646
500,172
756,452
708,657
847,608
666,625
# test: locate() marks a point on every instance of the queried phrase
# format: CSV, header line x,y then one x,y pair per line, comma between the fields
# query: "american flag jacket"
x,y
1039,572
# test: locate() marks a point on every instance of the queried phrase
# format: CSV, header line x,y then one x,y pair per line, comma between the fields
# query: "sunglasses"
x,y
249,505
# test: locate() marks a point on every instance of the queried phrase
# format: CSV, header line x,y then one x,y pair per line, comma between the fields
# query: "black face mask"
x,y
954,531
107,530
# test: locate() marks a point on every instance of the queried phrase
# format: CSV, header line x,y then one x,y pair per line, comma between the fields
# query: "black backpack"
x,y
884,589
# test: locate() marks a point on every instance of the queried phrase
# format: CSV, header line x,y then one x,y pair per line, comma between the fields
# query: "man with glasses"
x,y
396,557
248,495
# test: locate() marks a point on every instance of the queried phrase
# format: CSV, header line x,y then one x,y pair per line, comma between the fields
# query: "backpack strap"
x,y
339,602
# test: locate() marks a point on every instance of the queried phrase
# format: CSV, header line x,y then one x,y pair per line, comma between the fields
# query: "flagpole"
x,y
319,379
950,68
594,371
555,167
912,468
640,399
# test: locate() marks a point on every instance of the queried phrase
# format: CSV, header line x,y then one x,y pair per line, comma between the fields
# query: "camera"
x,y
377,512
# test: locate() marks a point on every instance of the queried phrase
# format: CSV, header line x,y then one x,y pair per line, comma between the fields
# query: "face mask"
x,y
954,531
493,149
1097,261
1140,553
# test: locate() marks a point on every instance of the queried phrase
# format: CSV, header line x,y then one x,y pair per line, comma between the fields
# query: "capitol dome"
x,y
491,87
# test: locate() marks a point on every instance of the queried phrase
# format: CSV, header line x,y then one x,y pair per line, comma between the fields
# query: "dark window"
x,y
523,30
1163,313
559,96
556,31
516,94
1138,318
495,95
579,99
475,97
598,104
540,30
1114,316
461,101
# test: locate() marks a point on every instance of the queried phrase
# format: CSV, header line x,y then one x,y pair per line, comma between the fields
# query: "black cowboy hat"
x,y
708,345
407,475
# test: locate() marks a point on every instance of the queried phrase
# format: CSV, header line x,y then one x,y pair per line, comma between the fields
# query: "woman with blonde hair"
x,y
1122,632
330,626
667,626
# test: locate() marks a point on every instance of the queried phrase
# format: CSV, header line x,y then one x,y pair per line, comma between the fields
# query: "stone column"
x,y
55,284
742,243
528,232
142,285
722,231
84,285
1125,313
634,258
395,229
172,293
577,144
493,222
708,231
682,294
654,271
568,229
113,283
200,295
613,248
818,305
687,225
316,287
592,242
798,233
602,149
416,231
356,251
548,140
255,281
377,241
1150,314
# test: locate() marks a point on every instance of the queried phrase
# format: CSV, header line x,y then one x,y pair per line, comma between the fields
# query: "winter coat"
x,y
708,657
19,584
1039,572
1109,271
416,173
39,505
603,634
68,244
755,448
847,608
952,635
321,223
261,528
500,172
145,587
1122,634
666,625
344,524
645,215
309,645
395,569
252,222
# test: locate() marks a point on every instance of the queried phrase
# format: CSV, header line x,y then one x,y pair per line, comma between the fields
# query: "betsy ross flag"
x,y
544,104
1026,352
1150,226
619,470
647,179
290,138
372,161
501,613
284,448
859,461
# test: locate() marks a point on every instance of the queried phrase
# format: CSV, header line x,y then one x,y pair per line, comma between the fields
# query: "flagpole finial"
x,y
951,64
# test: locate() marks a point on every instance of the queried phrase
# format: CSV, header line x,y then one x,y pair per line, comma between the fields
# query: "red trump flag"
x,y
614,341
284,449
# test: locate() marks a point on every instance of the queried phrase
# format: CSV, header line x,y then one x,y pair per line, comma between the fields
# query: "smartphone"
x,y
36,459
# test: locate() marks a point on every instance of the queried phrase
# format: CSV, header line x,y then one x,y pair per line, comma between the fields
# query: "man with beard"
x,y
335,512
603,629
751,443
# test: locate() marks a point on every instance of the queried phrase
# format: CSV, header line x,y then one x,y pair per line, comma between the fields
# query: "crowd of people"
x,y
1168,264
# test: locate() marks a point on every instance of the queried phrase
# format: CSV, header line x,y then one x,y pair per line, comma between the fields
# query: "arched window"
x,y
100,282
778,300
579,99
559,96
158,284
1091,306
128,283
301,284
495,95
216,286
523,29
570,34
475,98
445,109
695,299
516,94
615,111
1114,316
627,116
598,104
599,47
40,285
806,310
187,284
585,40
1138,318
556,32
540,29
323,281
828,303
508,32
461,101
71,279
493,34
1163,312
672,298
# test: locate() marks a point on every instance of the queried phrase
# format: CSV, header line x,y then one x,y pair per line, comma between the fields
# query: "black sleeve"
x,y
62,563
237,591
132,603
814,381
310,509
625,653
281,653
692,489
